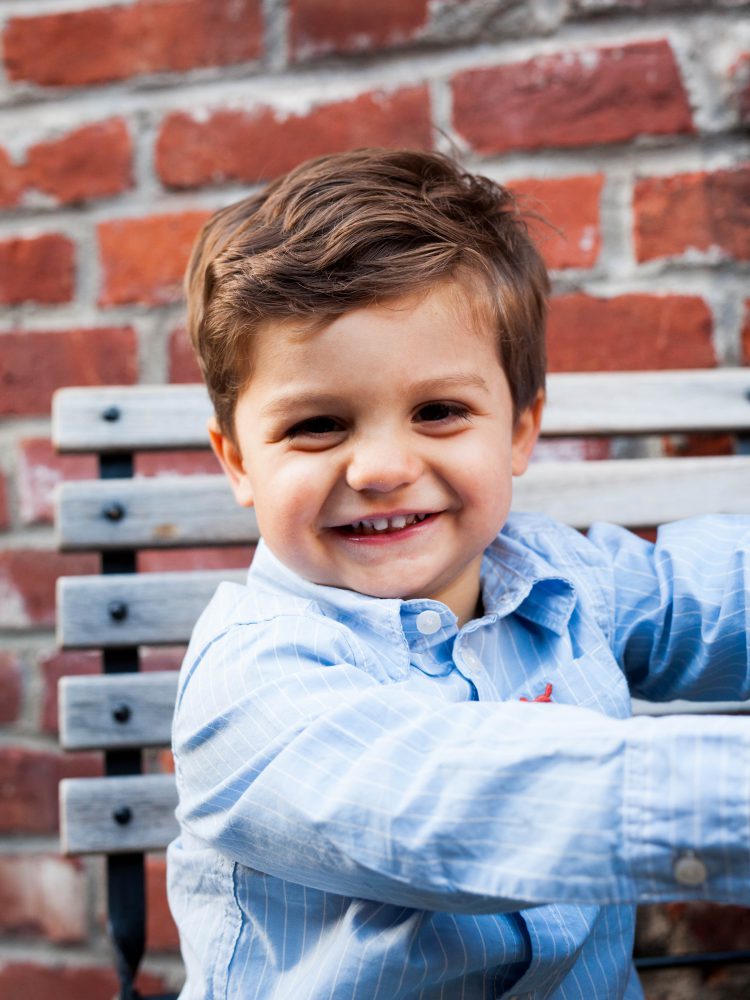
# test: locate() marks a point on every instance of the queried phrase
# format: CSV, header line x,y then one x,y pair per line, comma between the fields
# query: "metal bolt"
x,y
114,511
118,611
111,414
122,815
122,712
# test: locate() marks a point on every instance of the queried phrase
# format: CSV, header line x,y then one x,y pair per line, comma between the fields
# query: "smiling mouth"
x,y
383,525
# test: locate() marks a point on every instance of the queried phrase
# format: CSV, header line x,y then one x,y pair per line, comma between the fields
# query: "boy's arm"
x,y
680,608
292,760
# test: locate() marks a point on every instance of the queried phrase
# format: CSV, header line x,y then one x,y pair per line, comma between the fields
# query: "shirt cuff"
x,y
687,808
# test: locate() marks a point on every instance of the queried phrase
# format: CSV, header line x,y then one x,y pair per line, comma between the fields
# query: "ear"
x,y
231,461
525,434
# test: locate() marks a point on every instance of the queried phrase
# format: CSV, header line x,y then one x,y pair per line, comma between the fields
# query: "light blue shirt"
x,y
373,806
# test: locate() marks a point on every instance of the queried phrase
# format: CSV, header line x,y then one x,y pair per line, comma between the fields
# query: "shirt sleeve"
x,y
681,608
293,761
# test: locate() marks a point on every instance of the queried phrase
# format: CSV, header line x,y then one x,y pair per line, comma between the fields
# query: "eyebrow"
x,y
461,380
325,401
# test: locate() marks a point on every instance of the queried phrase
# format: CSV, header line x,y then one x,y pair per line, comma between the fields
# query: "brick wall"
x,y
123,124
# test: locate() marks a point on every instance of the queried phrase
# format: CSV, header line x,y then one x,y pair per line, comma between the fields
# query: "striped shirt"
x,y
376,804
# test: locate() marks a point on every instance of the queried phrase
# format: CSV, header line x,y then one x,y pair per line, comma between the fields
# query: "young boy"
x,y
403,751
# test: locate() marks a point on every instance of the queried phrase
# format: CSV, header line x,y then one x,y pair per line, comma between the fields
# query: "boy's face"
x,y
378,451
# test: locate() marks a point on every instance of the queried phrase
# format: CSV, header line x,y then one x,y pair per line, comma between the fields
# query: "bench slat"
x,y
165,417
160,608
88,805
149,418
202,511
662,708
635,492
648,402
115,711
163,512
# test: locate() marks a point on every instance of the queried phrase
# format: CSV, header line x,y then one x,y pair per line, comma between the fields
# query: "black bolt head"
x,y
122,712
118,611
114,511
122,815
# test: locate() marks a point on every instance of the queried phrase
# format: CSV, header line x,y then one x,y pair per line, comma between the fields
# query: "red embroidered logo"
x,y
547,696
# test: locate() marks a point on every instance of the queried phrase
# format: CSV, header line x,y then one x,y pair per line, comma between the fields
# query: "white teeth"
x,y
385,523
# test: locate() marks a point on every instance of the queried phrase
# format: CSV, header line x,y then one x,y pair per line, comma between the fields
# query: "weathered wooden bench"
x,y
123,712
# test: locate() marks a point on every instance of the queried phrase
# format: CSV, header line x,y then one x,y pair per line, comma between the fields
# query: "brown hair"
x,y
355,229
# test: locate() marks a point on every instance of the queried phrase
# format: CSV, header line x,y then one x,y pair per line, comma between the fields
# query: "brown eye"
x,y
314,426
442,412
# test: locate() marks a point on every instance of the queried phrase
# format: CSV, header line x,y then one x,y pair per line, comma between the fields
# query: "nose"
x,y
382,464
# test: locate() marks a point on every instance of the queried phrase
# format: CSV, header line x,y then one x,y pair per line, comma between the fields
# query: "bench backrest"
x,y
123,515
123,711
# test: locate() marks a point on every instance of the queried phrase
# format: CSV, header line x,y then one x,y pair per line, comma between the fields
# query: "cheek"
x,y
294,489
482,472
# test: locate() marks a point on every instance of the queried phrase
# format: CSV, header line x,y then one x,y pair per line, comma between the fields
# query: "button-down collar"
x,y
514,579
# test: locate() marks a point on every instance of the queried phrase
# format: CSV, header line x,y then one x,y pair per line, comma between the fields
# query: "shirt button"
x,y
688,869
428,622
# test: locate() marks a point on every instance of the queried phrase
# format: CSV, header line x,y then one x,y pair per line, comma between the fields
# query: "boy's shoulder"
x,y
275,601
249,603
262,628
559,545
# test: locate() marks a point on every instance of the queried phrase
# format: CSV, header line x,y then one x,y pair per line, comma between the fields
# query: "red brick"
x,y
40,982
629,332
746,335
113,43
571,207
35,363
697,211
27,584
39,269
11,181
40,470
183,366
10,688
28,787
63,664
42,895
184,560
161,933
162,657
91,162
319,26
572,99
144,260
694,445
165,762
176,463
255,145
710,926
